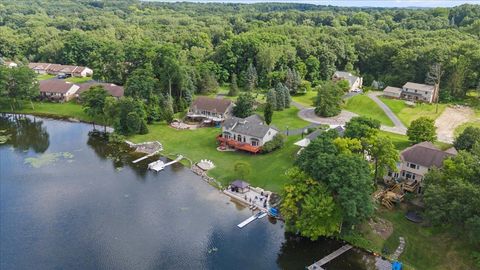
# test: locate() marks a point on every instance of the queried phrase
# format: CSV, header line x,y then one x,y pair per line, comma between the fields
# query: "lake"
x,y
72,201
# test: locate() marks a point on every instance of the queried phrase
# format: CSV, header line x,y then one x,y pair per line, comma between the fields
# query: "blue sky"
x,y
356,3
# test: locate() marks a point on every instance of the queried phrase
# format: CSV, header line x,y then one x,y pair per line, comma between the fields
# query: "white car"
x,y
357,90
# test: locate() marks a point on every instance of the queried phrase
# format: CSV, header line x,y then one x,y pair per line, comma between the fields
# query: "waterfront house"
x,y
57,90
312,136
354,82
210,109
56,69
113,89
415,162
248,134
413,92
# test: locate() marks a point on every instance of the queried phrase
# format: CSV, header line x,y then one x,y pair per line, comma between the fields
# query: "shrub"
x,y
276,143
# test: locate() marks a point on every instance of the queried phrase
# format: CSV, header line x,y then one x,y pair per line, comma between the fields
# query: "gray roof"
x,y
394,90
347,76
426,154
240,184
419,86
216,105
251,126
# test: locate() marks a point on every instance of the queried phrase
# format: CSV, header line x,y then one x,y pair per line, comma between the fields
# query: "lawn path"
x,y
399,127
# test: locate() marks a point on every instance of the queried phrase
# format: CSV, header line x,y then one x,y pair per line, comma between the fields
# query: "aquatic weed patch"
x,y
48,159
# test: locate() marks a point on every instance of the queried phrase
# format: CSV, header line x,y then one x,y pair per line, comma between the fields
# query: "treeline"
x,y
192,48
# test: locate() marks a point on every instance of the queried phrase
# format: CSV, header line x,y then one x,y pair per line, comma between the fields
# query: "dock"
x,y
149,148
258,215
318,265
160,165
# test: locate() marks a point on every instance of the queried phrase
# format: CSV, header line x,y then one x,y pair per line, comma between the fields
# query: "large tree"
x,y
421,130
308,207
329,99
93,103
361,127
467,139
18,84
244,105
383,155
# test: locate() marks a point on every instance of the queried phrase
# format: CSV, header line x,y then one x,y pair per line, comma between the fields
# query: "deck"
x,y
318,265
239,145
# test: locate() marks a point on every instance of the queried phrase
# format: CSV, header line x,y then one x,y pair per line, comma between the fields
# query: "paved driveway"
x,y
398,127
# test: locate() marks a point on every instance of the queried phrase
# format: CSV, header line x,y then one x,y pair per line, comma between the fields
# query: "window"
x,y
415,91
403,174
426,92
413,166
413,177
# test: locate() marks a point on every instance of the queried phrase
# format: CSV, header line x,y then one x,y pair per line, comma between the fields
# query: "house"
x,y
412,91
113,89
415,162
56,69
248,134
210,109
10,64
353,81
58,90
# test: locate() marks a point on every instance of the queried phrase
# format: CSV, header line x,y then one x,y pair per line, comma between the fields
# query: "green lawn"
x,y
267,170
401,141
427,248
42,77
408,114
68,109
307,99
286,118
78,79
474,123
364,106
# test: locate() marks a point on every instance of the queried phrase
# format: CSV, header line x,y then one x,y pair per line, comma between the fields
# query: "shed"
x,y
240,186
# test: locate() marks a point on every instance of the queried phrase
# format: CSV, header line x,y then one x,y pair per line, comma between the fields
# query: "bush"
x,y
276,143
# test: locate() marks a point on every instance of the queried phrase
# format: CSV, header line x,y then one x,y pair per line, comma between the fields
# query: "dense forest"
x,y
177,50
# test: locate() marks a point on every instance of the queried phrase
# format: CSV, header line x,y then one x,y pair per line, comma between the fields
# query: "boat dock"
x,y
160,165
149,148
258,215
318,265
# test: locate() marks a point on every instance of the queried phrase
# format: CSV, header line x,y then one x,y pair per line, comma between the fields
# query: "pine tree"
x,y
272,98
286,96
251,77
268,113
280,94
233,86
289,79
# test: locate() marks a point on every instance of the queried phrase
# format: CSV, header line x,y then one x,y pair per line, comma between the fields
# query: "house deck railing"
x,y
239,145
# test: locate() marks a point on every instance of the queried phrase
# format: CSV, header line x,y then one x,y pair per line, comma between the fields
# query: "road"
x,y
398,127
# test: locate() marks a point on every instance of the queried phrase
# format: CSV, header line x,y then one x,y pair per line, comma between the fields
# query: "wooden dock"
x,y
318,265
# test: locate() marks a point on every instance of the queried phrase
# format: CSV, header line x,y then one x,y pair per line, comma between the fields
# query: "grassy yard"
x,y
427,248
363,105
68,109
78,79
307,99
401,141
42,77
267,170
474,123
407,114
286,118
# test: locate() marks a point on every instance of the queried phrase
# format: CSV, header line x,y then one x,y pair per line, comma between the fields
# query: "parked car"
x,y
63,76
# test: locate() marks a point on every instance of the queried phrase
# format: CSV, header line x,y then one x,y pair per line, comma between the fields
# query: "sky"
x,y
353,3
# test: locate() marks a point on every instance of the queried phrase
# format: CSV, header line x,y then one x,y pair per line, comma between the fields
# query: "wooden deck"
x,y
318,265
239,145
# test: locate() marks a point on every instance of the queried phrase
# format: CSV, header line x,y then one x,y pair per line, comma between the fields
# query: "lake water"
x,y
69,201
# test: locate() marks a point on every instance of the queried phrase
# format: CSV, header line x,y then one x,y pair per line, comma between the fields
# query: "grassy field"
x,y
267,170
78,79
287,118
363,105
408,114
401,141
68,109
427,248
42,77
307,99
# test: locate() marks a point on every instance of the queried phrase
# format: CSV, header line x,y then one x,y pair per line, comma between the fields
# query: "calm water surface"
x,y
68,201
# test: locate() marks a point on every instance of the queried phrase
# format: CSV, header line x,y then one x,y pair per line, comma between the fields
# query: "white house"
x,y
415,162
412,91
248,134
58,90
353,81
